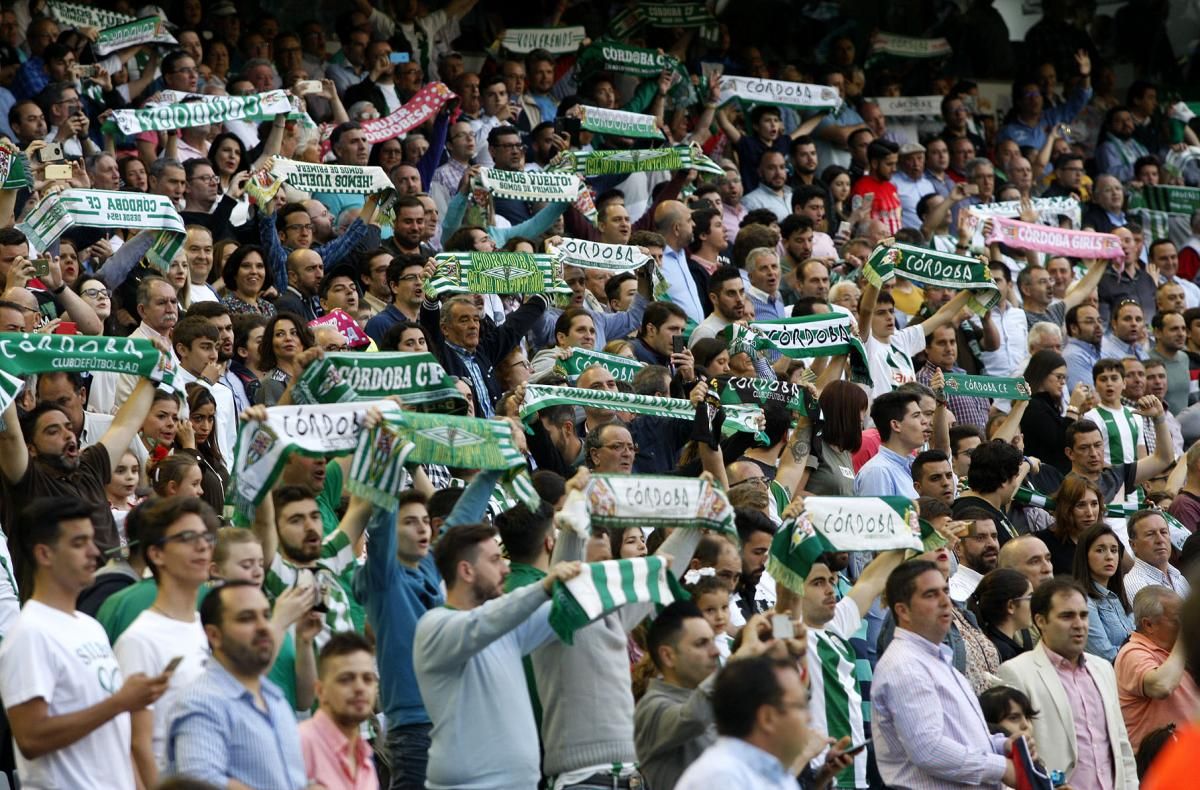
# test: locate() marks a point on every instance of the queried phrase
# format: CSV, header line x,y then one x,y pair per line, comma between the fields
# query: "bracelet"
x,y
59,289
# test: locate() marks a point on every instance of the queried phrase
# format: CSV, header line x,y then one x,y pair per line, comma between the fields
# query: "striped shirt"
x,y
337,556
1122,430
217,733
836,699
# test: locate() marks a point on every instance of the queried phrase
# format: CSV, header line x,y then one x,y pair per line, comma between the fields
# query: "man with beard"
x,y
804,162
754,593
977,553
63,690
69,393
297,552
232,727
335,755
727,292
933,477
408,229
467,656
772,191
1170,337
1120,150
40,456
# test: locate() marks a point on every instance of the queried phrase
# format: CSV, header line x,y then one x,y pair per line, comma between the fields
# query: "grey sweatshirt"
x,y
587,701
672,726
469,671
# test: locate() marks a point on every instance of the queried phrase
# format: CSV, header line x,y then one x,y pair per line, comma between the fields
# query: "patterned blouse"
x,y
237,306
983,660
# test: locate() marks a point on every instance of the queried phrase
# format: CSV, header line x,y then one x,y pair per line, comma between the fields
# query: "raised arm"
x,y
1164,452
128,421
807,126
1012,423
873,577
14,455
946,313
1088,283
731,131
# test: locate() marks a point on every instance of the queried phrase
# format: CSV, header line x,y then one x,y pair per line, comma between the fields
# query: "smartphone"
x,y
66,328
58,172
41,267
564,125
85,69
858,747
319,604
781,627
173,665
678,343
398,57
50,152
304,87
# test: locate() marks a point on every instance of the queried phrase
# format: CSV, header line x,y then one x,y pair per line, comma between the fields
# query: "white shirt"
x,y
1014,337
1191,291
65,660
732,762
147,646
226,422
127,381
911,192
711,326
1143,574
764,197
94,427
10,600
891,363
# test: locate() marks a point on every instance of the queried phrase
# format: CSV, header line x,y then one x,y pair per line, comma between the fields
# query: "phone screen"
x,y
677,344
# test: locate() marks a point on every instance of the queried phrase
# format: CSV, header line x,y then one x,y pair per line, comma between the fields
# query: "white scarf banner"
x,y
799,95
343,179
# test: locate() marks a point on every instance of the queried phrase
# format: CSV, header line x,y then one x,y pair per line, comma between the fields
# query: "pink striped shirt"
x,y
328,759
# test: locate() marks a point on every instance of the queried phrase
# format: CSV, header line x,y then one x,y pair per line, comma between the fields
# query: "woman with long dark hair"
x,y
1001,605
830,468
1098,568
1044,424
285,337
1078,504
202,413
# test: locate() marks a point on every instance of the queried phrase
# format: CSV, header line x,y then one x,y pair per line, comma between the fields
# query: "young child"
x,y
711,596
122,489
1121,427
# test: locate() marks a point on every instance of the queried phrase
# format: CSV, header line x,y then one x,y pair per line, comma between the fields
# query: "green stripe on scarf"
x,y
77,15
1026,495
147,30
1172,199
634,160
621,368
619,123
417,378
317,431
537,397
411,437
604,587
497,273
210,110
929,267
612,501
24,354
740,389
599,255
99,208
969,386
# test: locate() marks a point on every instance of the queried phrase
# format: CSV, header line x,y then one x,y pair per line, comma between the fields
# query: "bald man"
x,y
687,282
1029,556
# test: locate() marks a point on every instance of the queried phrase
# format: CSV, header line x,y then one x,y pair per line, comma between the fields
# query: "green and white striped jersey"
x,y
1122,431
836,697
337,556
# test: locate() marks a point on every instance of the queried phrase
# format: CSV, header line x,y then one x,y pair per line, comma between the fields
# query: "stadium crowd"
x,y
597,395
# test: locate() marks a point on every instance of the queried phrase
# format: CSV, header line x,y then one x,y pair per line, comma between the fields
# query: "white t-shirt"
x,y
10,601
891,364
147,646
65,659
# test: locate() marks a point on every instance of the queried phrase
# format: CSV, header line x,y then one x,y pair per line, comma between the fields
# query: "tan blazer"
x,y
1054,727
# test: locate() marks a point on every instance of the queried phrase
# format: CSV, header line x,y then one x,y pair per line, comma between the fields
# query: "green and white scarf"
x,y
798,95
555,40
908,46
755,391
841,524
541,187
14,173
618,57
497,273
342,179
99,208
24,354
621,368
537,397
212,110
147,30
417,378
611,501
969,386
634,160
1156,224
604,587
1027,495
806,337
377,469
317,431
619,123
76,15
939,269
1171,199
614,258
669,15
1048,210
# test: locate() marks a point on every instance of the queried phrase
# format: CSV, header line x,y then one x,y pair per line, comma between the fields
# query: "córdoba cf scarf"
x,y
497,273
417,378
209,110
634,160
841,524
621,368
805,337
599,255
797,95
611,501
987,386
619,123
404,437
263,448
24,354
929,267
604,587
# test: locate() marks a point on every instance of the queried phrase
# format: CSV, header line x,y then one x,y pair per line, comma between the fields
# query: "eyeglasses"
x,y
521,363
407,278
622,447
189,538
758,481
332,348
96,293
211,177
507,146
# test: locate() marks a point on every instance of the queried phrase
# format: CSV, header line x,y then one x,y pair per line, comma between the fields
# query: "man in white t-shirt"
x,y
177,543
67,702
890,353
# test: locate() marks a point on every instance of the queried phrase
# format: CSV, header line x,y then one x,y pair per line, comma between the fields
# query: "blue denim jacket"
x,y
1109,625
